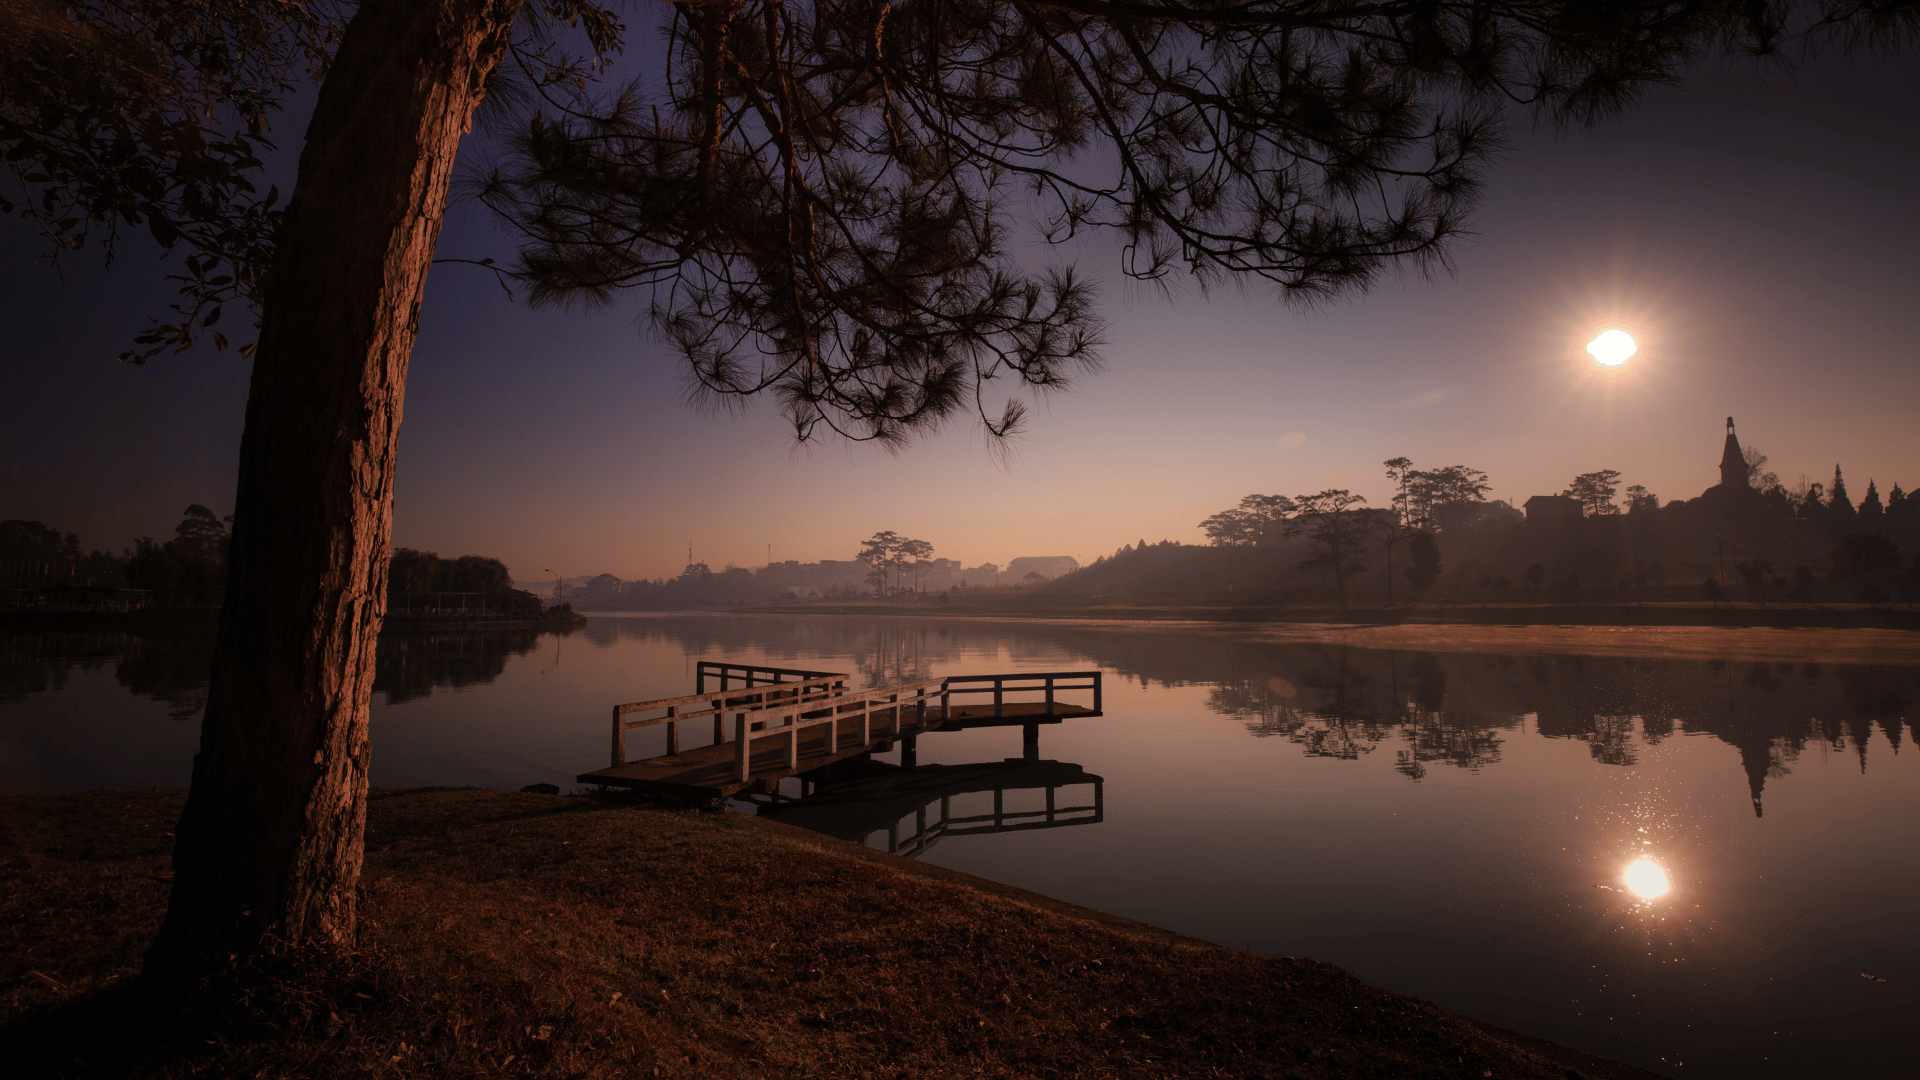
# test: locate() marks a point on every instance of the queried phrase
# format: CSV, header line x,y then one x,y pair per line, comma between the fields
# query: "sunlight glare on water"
x,y
1647,879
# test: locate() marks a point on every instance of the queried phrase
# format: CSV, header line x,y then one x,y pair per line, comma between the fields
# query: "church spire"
x,y
1733,463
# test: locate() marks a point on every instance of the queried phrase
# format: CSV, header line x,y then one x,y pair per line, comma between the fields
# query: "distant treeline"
x,y
41,567
40,564
1761,542
700,586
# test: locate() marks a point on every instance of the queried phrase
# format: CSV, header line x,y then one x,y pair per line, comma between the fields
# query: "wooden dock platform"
x,y
787,722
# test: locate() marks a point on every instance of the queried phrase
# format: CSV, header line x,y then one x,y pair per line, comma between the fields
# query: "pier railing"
x,y
763,688
859,708
1047,682
784,702
750,675
928,833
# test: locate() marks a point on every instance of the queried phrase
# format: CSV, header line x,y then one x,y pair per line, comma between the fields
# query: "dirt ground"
x,y
510,934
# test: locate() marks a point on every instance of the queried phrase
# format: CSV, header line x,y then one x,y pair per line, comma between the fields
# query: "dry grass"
x,y
526,935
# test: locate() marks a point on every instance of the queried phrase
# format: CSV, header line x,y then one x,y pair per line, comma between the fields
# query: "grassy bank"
x,y
526,935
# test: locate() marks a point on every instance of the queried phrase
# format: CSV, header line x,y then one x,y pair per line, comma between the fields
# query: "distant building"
x,y
1552,508
1733,463
1047,566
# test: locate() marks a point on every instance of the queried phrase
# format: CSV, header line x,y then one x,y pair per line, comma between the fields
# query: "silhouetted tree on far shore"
x,y
1710,589
1595,491
1840,511
1425,553
1860,558
1338,532
1802,593
1259,519
1871,513
1754,572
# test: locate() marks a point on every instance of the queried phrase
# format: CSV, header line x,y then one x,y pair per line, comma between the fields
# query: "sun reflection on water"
x,y
1647,879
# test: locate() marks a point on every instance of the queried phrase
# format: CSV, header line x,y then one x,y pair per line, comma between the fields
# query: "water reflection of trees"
x,y
171,668
174,668
1337,709
413,664
1451,708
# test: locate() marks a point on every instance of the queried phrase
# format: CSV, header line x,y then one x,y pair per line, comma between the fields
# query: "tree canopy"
x,y
821,200
152,114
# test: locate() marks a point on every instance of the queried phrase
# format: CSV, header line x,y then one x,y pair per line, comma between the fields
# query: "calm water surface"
x,y
1449,825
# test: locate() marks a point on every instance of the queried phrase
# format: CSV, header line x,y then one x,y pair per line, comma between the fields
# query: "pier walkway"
x,y
786,721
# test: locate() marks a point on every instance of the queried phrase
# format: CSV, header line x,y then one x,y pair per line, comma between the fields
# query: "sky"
x,y
1757,230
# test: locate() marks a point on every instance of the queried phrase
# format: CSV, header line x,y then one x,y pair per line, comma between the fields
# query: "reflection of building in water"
x,y
1451,708
906,811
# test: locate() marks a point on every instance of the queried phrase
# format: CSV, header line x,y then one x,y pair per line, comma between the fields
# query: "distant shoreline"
x,y
1732,643
1726,615
207,620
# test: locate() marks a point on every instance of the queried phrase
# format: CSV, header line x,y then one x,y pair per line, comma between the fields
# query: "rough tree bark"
x,y
269,849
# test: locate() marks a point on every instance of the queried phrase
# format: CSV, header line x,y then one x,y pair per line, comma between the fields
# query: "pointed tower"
x,y
1733,463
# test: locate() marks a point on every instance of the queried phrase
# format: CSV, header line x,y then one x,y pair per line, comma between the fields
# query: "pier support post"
x,y
909,756
1030,742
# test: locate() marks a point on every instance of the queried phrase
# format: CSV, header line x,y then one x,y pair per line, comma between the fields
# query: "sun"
x,y
1612,347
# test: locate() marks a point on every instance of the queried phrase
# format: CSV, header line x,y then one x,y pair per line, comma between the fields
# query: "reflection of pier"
x,y
786,722
913,807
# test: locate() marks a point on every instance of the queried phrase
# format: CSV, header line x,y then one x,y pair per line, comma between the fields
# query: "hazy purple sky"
x,y
1759,232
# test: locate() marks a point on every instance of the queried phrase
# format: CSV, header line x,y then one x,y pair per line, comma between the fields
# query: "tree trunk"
x,y
1339,570
1389,546
269,849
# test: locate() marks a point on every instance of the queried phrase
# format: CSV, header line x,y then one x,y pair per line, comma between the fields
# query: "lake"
x,y
1451,825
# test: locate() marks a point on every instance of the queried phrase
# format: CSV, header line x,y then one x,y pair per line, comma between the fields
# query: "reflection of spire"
x,y
1891,726
1756,756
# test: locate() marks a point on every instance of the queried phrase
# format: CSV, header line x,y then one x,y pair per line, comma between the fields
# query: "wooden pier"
x,y
786,721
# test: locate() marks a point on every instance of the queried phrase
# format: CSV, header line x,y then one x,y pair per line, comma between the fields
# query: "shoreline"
x,y
518,934
1727,615
1755,644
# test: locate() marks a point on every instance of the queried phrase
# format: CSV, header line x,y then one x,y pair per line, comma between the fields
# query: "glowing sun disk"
x,y
1647,879
1612,347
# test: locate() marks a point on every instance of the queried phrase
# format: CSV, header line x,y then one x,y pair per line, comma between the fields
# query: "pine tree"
x,y
1838,506
1871,512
